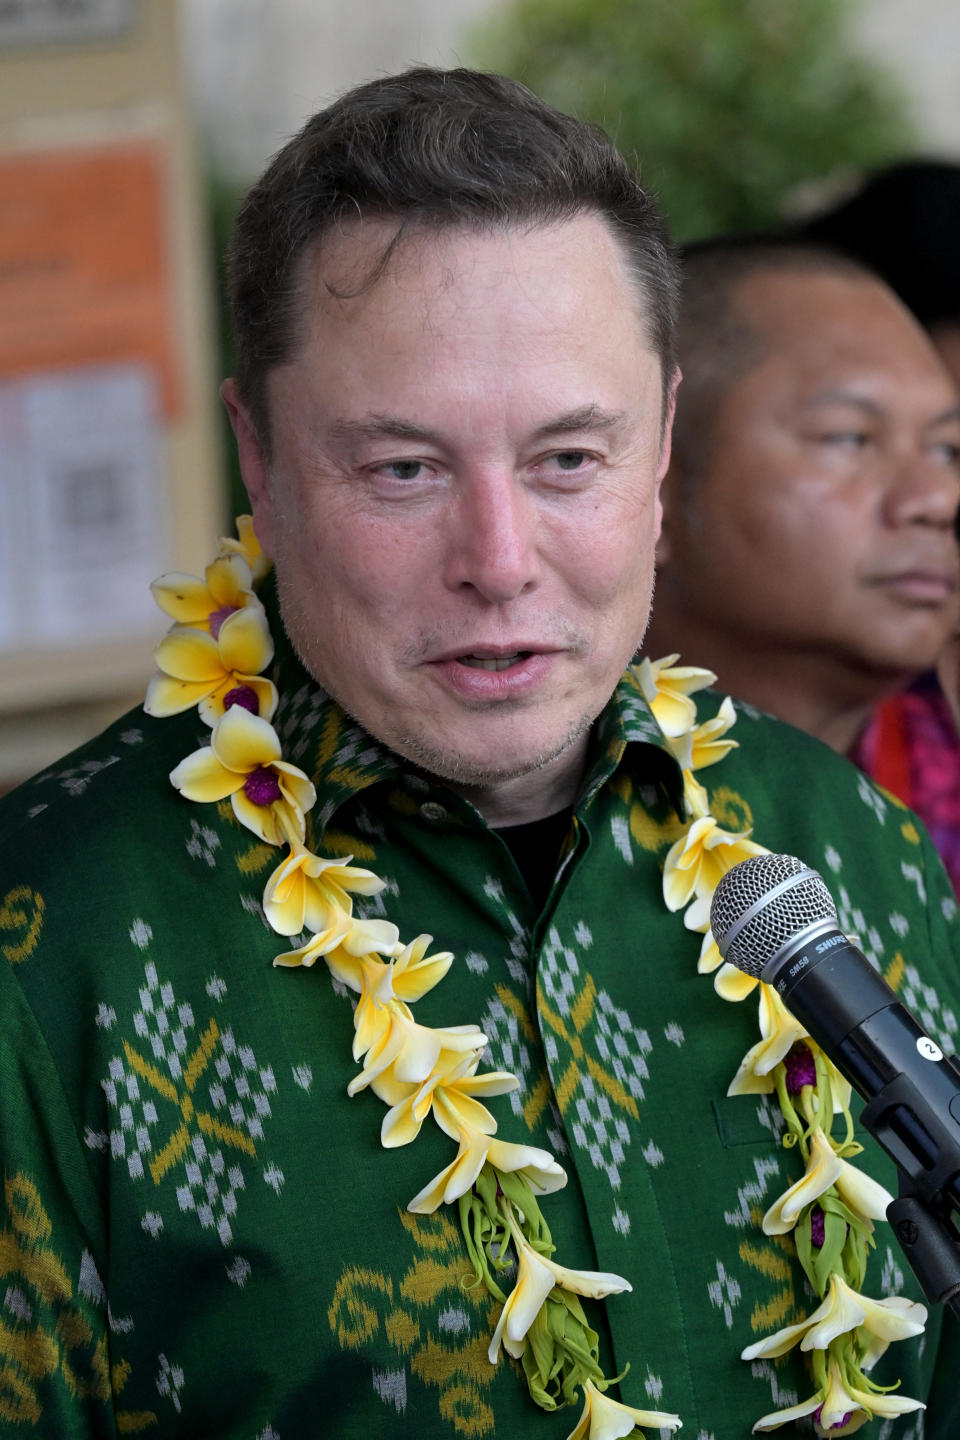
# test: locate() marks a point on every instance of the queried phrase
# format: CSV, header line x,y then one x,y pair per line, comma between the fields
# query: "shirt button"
x,y
430,810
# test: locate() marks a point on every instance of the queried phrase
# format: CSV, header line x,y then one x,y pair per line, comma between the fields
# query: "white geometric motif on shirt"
x,y
298,719
622,1047
922,999
559,972
187,1101
872,799
597,1122
203,843
924,1002
508,1050
853,923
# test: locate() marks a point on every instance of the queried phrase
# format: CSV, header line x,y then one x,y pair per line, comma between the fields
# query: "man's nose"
x,y
924,489
492,542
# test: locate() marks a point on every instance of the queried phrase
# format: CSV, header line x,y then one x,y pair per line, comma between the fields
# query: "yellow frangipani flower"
x,y
305,889
605,1419
840,1407
412,1051
825,1168
247,546
344,940
733,984
227,586
667,688
214,670
536,1277
780,1031
710,958
450,1092
385,987
842,1311
319,945
537,1167
697,748
696,862
702,746
243,761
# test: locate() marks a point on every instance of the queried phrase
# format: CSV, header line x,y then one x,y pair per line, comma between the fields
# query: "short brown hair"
x,y
717,343
439,149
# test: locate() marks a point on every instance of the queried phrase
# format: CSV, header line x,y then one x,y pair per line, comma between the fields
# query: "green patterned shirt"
x,y
200,1232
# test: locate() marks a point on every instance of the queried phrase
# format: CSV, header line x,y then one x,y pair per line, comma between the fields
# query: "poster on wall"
x,y
81,510
84,267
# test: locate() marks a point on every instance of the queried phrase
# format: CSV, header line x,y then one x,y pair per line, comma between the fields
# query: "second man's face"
x,y
463,493
820,523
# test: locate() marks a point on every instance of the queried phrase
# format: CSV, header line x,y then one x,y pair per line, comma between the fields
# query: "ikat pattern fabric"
x,y
200,1234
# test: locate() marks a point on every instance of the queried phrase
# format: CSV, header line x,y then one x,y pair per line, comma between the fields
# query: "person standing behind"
x,y
903,222
808,553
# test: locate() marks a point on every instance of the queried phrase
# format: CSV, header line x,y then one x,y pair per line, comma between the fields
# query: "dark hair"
x,y
904,223
438,149
716,343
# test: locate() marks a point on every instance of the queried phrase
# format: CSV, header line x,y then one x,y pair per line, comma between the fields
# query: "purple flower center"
x,y
818,1227
800,1069
244,696
262,786
217,617
844,1420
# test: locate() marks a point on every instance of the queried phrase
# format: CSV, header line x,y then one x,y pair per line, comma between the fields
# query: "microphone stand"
x,y
928,1244
924,1216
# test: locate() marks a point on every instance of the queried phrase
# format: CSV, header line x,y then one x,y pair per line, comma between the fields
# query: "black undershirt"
x,y
535,848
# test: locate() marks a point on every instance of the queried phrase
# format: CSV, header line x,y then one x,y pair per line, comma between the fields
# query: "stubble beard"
x,y
458,770
440,760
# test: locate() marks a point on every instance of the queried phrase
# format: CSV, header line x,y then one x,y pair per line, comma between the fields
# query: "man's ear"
x,y
661,552
665,476
254,466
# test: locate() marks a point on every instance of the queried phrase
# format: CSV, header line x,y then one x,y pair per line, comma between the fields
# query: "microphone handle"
x,y
912,1090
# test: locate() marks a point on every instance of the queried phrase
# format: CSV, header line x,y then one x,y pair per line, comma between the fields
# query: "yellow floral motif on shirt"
x,y
335,730
730,810
51,1334
538,1091
21,917
179,1142
581,1013
771,1257
652,833
368,1304
895,971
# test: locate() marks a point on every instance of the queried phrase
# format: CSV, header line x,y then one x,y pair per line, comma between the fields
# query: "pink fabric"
x,y
912,749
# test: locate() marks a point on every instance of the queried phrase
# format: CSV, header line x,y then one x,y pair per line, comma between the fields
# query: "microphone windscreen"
x,y
760,904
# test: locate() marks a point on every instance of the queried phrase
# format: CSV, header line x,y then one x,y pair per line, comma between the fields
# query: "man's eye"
x,y
570,459
950,450
846,439
404,469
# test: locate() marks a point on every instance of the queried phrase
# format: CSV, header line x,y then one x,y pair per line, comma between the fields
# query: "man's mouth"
x,y
492,662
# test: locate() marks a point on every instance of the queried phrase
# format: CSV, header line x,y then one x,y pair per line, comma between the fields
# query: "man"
x,y
808,553
453,310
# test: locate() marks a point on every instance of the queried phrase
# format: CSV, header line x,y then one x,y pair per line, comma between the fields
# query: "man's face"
x,y
462,497
819,525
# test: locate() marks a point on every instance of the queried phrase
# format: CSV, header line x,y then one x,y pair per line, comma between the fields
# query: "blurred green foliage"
x,y
729,105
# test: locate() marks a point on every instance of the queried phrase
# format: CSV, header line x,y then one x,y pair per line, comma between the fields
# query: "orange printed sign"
x,y
83,265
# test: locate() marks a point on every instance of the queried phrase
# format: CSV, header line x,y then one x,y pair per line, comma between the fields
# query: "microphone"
x,y
774,919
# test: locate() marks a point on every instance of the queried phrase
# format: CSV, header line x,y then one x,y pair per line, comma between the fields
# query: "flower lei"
x,y
213,657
